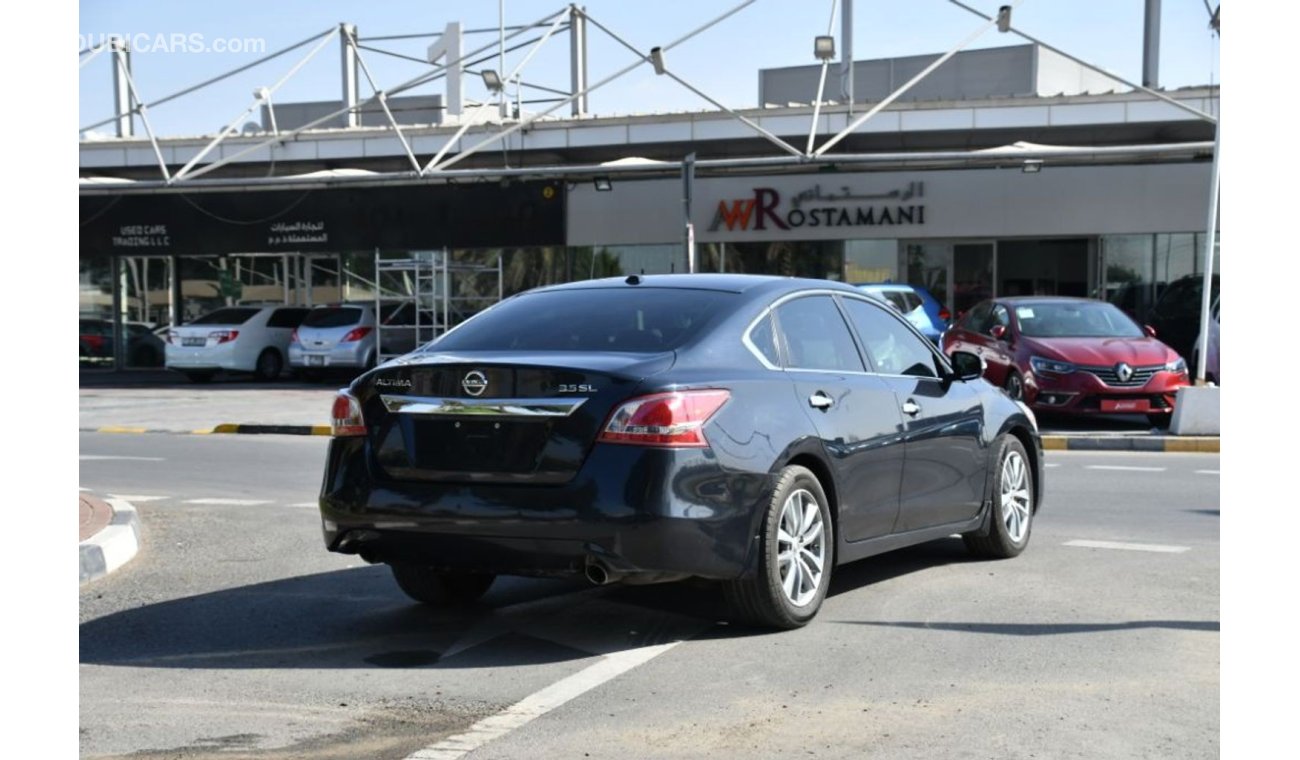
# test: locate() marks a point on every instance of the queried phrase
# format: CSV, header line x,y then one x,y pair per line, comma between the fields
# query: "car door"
x,y
854,413
943,420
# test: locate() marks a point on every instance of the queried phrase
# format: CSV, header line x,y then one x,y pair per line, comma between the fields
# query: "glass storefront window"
x,y
927,265
96,310
870,261
145,287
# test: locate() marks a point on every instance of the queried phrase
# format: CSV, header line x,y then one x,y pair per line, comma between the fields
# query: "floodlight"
x,y
824,47
657,59
492,80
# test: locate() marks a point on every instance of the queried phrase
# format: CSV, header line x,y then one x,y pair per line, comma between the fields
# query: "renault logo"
x,y
1122,371
474,383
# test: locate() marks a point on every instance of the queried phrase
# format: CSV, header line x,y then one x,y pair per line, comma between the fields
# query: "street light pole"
x,y
1212,218
688,179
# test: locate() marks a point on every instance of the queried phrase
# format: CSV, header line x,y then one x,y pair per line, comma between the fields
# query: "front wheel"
x,y
1015,386
796,553
1013,505
441,589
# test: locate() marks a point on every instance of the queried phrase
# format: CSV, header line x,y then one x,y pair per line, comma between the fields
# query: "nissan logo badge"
x,y
474,383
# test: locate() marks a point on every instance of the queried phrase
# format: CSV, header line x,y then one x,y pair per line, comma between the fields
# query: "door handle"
x,y
910,408
820,400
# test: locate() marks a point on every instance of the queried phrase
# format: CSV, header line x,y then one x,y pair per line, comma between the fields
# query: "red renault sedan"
x,y
1071,355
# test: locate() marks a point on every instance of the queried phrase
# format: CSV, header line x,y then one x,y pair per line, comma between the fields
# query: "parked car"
x,y
234,339
915,303
754,431
143,346
346,335
1176,317
1071,355
334,336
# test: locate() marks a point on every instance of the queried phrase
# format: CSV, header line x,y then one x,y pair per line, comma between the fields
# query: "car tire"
x,y
1011,502
1014,386
269,365
441,589
788,594
200,377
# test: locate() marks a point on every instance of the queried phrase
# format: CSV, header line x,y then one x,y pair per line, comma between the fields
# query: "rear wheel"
x,y
269,365
1013,505
439,588
796,553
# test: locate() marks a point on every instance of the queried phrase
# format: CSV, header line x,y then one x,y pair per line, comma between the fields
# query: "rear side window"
x,y
764,339
341,317
816,337
286,317
632,319
911,302
233,316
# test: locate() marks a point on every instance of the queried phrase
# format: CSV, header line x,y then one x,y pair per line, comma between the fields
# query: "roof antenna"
x,y
633,280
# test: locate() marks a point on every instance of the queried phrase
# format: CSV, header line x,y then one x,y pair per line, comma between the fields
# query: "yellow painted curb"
x,y
1055,442
1201,445
114,429
321,430
226,427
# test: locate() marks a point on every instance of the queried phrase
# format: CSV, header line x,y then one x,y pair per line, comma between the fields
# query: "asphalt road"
x,y
234,634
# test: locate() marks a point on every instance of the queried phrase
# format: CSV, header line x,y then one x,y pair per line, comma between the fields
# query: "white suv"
x,y
235,339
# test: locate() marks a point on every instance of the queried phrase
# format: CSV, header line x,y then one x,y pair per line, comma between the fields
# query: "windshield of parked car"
x,y
599,319
1074,319
332,317
233,316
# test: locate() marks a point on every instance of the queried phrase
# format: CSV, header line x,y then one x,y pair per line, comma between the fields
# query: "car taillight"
x,y
357,333
223,336
345,418
664,419
293,336
944,314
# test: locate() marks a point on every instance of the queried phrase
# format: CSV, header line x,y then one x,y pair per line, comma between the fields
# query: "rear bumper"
x,y
352,354
223,356
641,512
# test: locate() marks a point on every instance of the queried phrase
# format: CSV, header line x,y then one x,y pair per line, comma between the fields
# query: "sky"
x,y
177,46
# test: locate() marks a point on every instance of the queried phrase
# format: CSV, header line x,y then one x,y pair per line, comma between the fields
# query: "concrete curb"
x,y
1163,443
113,546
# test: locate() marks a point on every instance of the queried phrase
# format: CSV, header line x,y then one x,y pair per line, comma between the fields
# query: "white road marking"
x,y
229,502
1207,472
1123,467
1052,464
306,505
1160,548
138,497
112,456
82,488
541,702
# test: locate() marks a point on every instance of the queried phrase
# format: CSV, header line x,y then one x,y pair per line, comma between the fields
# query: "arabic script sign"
x,y
817,207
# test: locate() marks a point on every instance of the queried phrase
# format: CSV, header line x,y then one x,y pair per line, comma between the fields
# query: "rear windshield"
x,y
1075,320
637,320
237,316
339,317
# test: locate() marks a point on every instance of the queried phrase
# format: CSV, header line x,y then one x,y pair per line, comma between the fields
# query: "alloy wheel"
x,y
1014,493
801,547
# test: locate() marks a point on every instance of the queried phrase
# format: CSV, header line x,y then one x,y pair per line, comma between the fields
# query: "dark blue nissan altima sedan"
x,y
755,431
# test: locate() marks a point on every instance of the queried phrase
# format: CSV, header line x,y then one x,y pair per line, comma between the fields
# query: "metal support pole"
x,y
1151,45
846,54
504,110
578,58
348,53
1212,218
123,103
688,180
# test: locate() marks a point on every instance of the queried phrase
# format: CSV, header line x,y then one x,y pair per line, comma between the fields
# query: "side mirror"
x,y
999,332
967,366
1149,330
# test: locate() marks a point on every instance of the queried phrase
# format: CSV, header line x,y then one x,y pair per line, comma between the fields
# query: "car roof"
x,y
730,283
1026,300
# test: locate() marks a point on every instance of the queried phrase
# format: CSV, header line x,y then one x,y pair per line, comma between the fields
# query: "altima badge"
x,y
1123,372
474,383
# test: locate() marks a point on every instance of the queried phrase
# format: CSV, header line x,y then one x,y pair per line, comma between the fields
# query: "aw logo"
x,y
744,212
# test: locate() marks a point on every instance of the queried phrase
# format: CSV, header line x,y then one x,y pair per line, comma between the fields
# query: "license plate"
x,y
1126,405
194,342
315,361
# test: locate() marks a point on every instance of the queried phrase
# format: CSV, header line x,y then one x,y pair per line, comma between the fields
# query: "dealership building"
x,y
1007,171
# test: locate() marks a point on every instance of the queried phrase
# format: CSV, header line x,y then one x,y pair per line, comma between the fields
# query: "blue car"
x,y
913,302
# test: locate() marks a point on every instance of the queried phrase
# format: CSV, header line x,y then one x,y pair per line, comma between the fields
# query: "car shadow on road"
x,y
356,618
1044,629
